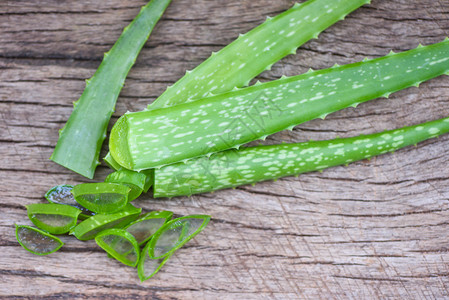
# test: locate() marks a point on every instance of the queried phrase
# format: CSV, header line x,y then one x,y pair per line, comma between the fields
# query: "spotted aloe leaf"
x,y
152,139
80,140
256,51
233,168
237,64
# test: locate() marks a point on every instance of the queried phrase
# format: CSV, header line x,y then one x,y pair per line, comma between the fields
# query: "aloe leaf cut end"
x,y
256,51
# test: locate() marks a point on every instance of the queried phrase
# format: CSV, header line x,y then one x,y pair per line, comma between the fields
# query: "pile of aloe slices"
x,y
144,241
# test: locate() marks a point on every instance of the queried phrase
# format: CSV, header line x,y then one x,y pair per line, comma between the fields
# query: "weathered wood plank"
x,y
374,229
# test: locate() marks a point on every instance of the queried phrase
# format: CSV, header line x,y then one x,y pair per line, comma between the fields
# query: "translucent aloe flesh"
x,y
135,181
254,52
175,234
62,194
89,228
233,168
147,225
151,139
119,244
103,197
80,140
53,218
148,267
37,241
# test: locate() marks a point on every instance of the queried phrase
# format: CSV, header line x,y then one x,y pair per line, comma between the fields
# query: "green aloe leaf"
x,y
53,218
135,181
102,197
152,139
147,266
37,241
256,51
89,228
147,225
119,244
80,140
174,234
62,194
234,168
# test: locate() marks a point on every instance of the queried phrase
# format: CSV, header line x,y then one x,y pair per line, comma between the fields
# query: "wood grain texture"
x,y
375,229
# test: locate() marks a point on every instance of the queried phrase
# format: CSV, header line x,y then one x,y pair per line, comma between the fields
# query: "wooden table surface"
x,y
374,229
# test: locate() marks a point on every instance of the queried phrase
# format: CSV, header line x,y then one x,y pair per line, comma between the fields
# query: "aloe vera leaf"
x,y
37,241
233,168
89,228
147,225
273,40
135,181
61,194
148,267
151,139
256,51
103,197
119,244
80,140
149,174
174,234
53,218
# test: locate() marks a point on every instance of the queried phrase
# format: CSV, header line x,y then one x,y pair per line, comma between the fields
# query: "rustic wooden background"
x,y
375,229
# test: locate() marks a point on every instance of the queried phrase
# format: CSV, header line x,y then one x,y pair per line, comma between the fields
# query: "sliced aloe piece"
x,y
53,218
61,194
37,241
110,161
102,198
149,180
135,181
89,228
120,244
174,234
147,225
147,266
